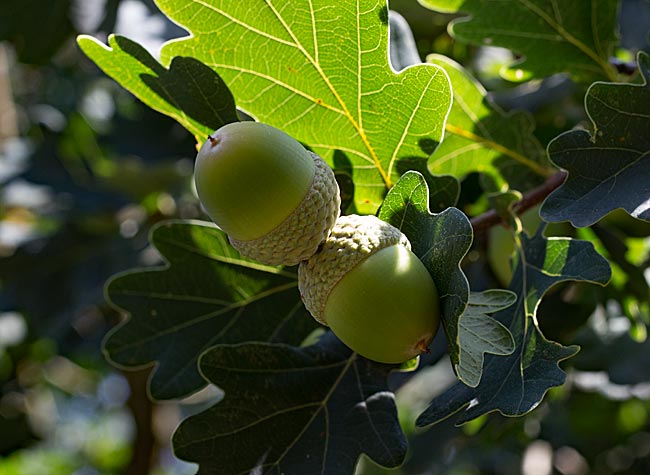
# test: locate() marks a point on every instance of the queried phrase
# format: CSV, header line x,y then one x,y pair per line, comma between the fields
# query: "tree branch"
x,y
490,218
144,446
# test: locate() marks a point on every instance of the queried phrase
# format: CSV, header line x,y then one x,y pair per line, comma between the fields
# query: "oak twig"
x,y
491,218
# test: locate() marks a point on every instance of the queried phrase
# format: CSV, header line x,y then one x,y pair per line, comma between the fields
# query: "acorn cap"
x,y
352,239
297,238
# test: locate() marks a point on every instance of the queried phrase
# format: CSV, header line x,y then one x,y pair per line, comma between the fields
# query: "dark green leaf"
x,y
188,91
441,241
611,168
292,411
515,384
207,295
553,36
444,191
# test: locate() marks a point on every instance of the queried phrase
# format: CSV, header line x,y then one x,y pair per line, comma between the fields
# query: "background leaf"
x,y
611,168
207,295
293,411
553,36
330,84
482,138
441,241
188,91
36,41
515,384
403,50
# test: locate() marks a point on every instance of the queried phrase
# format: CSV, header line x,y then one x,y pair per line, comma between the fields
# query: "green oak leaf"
x,y
480,334
553,36
483,138
444,191
206,295
188,91
441,241
292,411
610,168
319,70
515,384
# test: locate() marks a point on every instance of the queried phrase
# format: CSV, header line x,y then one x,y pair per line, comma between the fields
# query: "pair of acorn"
x,y
279,204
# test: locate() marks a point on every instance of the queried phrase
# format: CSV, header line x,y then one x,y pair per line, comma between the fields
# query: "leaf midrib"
x,y
198,319
319,405
487,143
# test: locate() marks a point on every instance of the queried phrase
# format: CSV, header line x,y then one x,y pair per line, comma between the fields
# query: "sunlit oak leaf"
x,y
483,138
186,90
319,70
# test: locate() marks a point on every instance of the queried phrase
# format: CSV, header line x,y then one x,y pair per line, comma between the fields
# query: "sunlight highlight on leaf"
x,y
320,71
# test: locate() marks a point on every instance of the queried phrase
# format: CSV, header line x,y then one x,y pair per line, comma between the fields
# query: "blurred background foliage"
x,y
86,170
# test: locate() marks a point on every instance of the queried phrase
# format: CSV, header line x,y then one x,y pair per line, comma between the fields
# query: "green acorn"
x,y
371,290
276,200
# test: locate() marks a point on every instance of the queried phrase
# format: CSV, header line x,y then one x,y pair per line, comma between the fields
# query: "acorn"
x,y
274,199
373,292
501,243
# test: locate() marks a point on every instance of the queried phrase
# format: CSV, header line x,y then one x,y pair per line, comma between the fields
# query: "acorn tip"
x,y
422,346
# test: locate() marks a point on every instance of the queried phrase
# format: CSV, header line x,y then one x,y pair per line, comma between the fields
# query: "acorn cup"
x,y
371,290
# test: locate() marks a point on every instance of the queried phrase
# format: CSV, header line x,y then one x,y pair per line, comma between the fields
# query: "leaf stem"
x,y
536,167
491,218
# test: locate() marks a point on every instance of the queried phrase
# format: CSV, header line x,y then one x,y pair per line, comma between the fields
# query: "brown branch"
x,y
8,118
491,218
144,445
